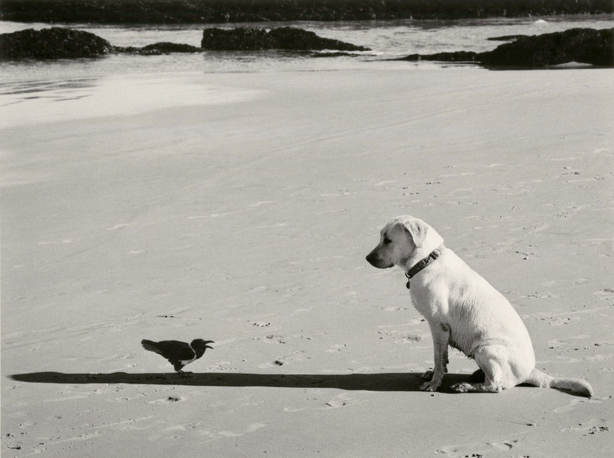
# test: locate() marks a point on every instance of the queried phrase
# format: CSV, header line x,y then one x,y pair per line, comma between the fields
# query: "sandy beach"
x,y
239,208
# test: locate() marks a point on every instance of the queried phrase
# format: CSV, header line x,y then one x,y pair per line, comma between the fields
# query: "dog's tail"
x,y
538,378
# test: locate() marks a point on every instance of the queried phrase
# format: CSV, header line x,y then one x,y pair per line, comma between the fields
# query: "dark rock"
x,y
60,43
332,54
585,46
299,39
458,56
160,48
286,38
235,40
53,43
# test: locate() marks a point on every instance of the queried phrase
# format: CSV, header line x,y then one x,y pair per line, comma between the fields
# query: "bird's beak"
x,y
208,342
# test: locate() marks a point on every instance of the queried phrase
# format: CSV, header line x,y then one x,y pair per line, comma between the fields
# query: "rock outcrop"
x,y
584,46
53,43
457,56
62,43
286,38
159,48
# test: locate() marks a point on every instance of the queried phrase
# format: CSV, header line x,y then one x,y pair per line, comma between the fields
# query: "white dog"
x,y
464,311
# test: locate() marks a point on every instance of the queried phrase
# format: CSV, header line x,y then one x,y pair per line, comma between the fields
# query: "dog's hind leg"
x,y
494,364
478,376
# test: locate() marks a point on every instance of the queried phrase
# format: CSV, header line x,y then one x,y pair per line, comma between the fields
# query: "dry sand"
x,y
244,215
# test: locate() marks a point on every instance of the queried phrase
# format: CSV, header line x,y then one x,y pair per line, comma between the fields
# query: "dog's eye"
x,y
387,241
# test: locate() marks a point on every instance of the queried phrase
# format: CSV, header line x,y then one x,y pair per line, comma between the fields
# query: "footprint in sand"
x,y
556,343
213,436
55,243
589,427
261,324
387,182
402,336
400,332
337,402
269,226
554,320
26,424
342,192
477,449
168,400
138,395
68,398
601,358
117,226
255,427
275,339
410,339
297,356
257,289
573,404
336,348
264,202
394,309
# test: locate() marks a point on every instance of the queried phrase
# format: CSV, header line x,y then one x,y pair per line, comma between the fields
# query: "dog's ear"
x,y
418,230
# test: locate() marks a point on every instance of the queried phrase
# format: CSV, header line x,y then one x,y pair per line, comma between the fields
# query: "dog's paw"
x,y
428,375
462,387
430,386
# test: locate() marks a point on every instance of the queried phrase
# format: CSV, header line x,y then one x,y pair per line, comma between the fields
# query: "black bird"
x,y
179,354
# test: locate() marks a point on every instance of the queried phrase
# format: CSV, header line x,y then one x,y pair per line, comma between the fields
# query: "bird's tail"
x,y
538,378
151,346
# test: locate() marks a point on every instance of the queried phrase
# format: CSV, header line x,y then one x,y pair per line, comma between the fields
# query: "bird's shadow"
x,y
368,382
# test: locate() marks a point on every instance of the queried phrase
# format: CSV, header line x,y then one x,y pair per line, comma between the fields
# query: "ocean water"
x,y
125,83
387,40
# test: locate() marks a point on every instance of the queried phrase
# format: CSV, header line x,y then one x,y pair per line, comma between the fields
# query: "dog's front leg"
x,y
441,337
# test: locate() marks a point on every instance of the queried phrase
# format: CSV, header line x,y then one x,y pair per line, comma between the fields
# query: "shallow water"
x,y
386,39
33,91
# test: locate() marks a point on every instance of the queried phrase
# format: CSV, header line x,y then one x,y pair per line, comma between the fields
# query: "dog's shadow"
x,y
368,382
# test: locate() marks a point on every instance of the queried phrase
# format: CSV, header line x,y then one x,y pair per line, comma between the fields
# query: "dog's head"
x,y
402,239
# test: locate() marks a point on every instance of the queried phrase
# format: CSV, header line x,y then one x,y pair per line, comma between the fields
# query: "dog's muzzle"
x,y
374,259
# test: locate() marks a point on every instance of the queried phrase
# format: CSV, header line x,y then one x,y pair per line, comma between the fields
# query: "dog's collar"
x,y
421,265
